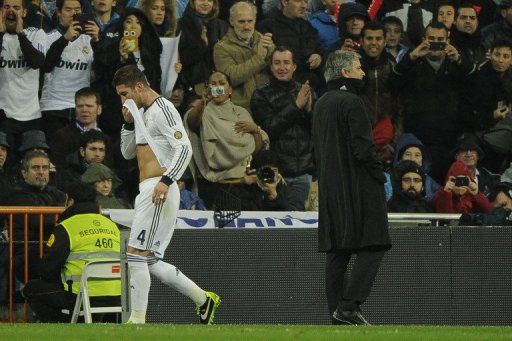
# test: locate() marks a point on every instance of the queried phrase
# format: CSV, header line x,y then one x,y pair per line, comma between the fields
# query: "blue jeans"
x,y
297,191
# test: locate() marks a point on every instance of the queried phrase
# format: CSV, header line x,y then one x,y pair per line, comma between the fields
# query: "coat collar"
x,y
346,84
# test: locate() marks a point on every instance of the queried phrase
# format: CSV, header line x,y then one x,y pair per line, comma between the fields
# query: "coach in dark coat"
x,y
352,203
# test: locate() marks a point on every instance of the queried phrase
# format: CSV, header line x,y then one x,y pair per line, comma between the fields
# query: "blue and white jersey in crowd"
x,y
72,72
19,83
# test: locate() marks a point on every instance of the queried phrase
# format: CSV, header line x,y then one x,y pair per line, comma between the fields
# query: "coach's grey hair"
x,y
234,8
339,60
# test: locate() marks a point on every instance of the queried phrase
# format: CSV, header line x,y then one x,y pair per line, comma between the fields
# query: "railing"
x,y
26,211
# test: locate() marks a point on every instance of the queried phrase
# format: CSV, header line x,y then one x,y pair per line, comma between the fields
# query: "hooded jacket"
x,y
410,140
448,202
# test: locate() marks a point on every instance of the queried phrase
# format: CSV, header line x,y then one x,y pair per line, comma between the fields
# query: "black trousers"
x,y
47,299
347,293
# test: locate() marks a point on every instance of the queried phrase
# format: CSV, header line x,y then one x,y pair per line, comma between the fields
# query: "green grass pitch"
x,y
180,332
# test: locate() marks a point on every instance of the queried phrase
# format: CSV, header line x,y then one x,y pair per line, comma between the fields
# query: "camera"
x,y
437,46
83,19
217,91
461,181
266,175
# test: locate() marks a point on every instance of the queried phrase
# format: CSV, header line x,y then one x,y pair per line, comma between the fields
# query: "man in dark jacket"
x,y
409,196
501,29
465,34
289,28
283,109
428,79
34,191
352,202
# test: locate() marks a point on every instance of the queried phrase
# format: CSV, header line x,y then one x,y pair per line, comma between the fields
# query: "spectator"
x,y
445,13
105,182
460,193
324,21
409,196
466,36
107,18
468,151
67,139
5,182
379,102
352,17
415,16
243,54
266,187
200,30
283,108
290,28
223,138
410,148
21,58
394,37
428,80
81,227
33,191
92,150
182,96
163,15
67,66
188,199
501,29
501,195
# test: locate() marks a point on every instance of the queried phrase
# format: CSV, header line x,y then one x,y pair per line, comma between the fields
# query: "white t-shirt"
x,y
18,82
72,73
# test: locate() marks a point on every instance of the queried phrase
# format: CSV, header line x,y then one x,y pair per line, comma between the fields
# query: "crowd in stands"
x,y
437,92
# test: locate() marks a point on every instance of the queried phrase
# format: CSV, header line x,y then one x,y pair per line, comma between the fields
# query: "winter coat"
x,y
326,28
301,37
401,203
448,202
498,31
289,128
409,140
430,98
195,56
245,68
352,203
469,44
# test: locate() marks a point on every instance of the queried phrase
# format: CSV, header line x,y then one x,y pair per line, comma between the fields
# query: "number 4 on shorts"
x,y
142,236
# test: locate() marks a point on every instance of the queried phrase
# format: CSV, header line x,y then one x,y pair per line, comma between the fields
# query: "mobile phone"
x,y
437,46
83,19
461,181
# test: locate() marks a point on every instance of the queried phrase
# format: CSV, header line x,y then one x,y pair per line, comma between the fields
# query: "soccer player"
x,y
160,133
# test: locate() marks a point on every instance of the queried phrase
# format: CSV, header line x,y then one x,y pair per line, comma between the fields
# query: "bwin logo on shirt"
x,y
72,65
13,63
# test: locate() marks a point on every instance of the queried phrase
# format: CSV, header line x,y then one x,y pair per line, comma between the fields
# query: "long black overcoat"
x,y
352,203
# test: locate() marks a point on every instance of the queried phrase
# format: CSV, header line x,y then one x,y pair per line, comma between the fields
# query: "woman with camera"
x,y
460,194
224,137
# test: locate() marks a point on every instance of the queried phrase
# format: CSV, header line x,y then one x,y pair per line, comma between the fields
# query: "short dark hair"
x,y
129,76
25,3
436,25
88,92
32,154
80,192
500,43
60,3
392,20
91,136
283,49
465,5
373,26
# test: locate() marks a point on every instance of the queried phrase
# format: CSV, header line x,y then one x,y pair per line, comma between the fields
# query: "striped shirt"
x,y
164,125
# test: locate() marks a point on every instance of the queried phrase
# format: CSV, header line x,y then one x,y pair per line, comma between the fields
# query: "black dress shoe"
x,y
351,318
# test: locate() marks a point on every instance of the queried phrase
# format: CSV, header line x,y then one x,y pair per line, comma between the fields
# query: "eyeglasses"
x,y
412,180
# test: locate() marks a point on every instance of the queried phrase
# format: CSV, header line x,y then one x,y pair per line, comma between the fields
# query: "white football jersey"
x,y
19,83
72,73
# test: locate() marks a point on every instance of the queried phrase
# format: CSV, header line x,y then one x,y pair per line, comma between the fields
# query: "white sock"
x,y
173,277
140,281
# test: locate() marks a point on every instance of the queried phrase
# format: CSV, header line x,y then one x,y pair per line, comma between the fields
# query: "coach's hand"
x,y
160,193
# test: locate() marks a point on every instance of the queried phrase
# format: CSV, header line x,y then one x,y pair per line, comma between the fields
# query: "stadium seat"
x,y
93,271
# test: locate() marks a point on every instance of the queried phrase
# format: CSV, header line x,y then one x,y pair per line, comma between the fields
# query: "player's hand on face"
x,y
127,115
160,193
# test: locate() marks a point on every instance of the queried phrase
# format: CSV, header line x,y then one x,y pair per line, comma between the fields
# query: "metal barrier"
x,y
26,211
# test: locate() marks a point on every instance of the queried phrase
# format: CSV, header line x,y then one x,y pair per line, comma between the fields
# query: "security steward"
x,y
82,235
